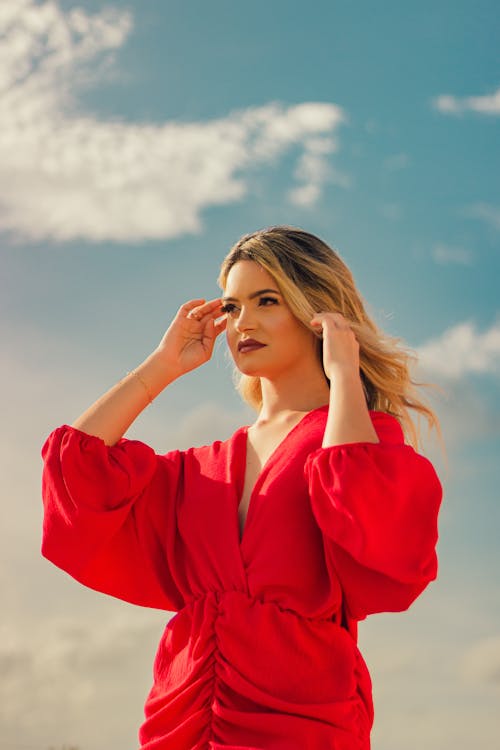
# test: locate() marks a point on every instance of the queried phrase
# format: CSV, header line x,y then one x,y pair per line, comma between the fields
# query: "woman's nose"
x,y
245,320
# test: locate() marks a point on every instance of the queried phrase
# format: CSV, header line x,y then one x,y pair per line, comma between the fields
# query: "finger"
x,y
321,317
220,325
214,308
206,310
337,319
188,307
192,303
317,327
317,320
212,304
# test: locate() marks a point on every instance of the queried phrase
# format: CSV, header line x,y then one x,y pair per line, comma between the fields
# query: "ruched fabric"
x,y
261,653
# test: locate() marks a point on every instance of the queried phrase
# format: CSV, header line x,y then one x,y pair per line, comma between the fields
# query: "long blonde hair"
x,y
312,278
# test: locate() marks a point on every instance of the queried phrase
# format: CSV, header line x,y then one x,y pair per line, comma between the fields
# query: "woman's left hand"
x,y
340,346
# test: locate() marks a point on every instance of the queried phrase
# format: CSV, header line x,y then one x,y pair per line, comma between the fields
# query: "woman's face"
x,y
264,337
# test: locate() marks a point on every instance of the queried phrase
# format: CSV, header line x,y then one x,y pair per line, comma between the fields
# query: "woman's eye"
x,y
268,301
228,308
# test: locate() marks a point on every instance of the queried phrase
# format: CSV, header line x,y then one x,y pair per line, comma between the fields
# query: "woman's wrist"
x,y
156,373
349,418
345,375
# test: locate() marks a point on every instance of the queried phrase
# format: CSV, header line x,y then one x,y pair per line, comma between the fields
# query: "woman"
x,y
271,545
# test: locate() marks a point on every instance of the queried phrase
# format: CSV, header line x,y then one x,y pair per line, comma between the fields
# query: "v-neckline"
x,y
240,486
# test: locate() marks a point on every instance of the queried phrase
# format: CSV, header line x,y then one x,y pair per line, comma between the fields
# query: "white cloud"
x,y
397,161
489,214
462,350
313,171
414,657
448,254
67,175
488,104
66,669
467,415
391,211
481,662
305,195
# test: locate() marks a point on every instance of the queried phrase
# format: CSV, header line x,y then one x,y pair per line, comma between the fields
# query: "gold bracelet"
x,y
146,388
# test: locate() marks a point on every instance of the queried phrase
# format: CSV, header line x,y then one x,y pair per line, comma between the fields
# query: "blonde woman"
x,y
271,545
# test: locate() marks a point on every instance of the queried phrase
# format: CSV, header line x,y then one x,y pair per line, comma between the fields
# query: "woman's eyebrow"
x,y
251,296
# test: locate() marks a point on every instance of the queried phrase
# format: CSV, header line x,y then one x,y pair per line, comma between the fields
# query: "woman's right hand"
x,y
190,338
188,343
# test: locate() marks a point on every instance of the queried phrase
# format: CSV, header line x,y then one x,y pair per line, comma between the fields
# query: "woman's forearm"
x,y
349,419
187,344
113,413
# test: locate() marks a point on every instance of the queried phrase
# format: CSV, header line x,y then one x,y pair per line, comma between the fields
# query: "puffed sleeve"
x,y
109,516
377,505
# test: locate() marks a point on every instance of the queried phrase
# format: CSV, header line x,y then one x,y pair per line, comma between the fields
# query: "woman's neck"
x,y
290,395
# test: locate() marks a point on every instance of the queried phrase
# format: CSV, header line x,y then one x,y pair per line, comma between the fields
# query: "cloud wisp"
x,y
462,350
68,670
448,254
68,175
485,212
489,104
481,662
396,162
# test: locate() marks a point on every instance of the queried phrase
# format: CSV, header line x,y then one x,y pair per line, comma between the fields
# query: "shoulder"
x,y
215,458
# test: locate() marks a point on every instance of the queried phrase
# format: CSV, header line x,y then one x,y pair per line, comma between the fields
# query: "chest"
x,y
244,518
250,498
260,447
253,467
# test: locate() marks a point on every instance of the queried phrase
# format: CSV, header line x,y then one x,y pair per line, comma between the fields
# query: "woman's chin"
x,y
251,372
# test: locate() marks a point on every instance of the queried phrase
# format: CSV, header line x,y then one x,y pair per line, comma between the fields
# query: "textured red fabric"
x,y
262,652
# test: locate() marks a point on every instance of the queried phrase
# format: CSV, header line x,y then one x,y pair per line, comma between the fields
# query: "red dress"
x,y
262,652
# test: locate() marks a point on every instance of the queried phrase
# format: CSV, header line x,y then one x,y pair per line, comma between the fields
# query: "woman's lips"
x,y
249,345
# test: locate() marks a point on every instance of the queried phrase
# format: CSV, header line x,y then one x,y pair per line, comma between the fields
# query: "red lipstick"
x,y
249,345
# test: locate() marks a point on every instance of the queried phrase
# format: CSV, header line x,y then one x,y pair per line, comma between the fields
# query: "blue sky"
x,y
138,141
